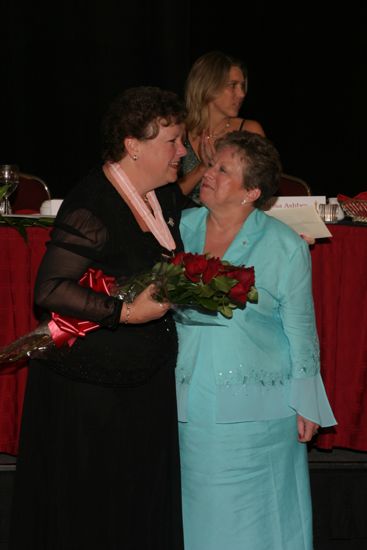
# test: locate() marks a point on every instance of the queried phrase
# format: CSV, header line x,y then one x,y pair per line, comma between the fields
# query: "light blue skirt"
x,y
245,485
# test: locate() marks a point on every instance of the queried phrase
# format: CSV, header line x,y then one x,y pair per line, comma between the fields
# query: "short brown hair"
x,y
138,112
260,162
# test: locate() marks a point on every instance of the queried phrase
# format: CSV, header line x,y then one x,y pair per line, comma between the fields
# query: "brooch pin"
x,y
171,222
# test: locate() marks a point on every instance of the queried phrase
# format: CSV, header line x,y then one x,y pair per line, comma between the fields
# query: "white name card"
x,y
301,214
298,202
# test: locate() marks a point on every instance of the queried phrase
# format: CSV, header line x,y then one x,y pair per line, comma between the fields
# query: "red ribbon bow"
x,y
68,329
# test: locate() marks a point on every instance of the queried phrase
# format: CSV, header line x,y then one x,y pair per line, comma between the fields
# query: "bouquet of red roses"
x,y
200,281
189,280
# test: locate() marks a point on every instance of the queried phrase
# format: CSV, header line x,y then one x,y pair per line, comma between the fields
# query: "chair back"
x,y
290,186
30,193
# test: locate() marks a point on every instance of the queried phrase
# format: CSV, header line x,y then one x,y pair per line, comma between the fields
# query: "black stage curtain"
x,y
61,66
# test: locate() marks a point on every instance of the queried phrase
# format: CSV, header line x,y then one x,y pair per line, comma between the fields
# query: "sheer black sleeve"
x,y
77,243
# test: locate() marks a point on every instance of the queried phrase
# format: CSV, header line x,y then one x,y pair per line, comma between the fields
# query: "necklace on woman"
x,y
222,129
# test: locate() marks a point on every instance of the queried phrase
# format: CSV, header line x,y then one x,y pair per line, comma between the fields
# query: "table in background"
x,y
340,292
19,261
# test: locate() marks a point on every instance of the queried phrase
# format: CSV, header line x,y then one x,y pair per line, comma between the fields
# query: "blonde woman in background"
x,y
215,90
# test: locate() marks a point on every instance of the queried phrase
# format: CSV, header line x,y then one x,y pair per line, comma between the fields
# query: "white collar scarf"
x,y
155,221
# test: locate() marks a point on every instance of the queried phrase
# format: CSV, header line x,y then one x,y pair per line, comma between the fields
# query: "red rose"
x,y
245,275
246,279
212,269
178,258
238,294
195,265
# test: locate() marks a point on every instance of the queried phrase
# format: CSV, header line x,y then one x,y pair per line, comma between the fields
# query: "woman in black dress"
x,y
98,464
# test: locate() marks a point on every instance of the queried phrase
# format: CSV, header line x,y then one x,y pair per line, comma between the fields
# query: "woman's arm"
x,y
189,181
307,396
77,243
197,153
297,312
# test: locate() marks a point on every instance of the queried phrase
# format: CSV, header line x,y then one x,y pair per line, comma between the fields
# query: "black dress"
x,y
98,464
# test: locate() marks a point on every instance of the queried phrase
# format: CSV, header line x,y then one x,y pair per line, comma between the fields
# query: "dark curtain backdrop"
x,y
61,66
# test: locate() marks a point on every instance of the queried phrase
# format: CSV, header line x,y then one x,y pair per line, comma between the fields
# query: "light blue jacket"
x,y
265,359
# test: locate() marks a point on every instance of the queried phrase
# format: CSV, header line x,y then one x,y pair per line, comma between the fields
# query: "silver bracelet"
x,y
128,311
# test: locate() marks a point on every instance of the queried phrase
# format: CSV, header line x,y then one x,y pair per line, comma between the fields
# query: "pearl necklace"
x,y
210,135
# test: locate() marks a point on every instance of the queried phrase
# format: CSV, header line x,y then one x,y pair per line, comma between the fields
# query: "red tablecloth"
x,y
340,292
19,262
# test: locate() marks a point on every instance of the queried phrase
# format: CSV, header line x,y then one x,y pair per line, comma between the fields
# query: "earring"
x,y
244,201
135,157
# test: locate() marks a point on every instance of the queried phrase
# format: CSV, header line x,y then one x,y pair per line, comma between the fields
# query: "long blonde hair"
x,y
207,76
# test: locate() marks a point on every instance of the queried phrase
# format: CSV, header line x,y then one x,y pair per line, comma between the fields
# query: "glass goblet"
x,y
9,179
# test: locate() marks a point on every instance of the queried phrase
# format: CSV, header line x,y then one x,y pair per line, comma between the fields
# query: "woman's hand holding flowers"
x,y
144,307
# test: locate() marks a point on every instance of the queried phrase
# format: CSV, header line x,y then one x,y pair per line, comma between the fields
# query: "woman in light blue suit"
x,y
249,389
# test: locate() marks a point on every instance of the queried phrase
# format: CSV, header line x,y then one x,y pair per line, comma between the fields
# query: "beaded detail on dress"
x,y
244,374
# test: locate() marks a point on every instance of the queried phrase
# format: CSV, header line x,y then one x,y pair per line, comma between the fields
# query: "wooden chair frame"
x,y
297,181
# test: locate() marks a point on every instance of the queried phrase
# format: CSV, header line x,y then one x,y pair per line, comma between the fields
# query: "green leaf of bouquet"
x,y
181,283
222,283
207,291
157,268
172,271
207,303
178,280
226,311
189,289
166,269
170,286
176,269
182,297
253,295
